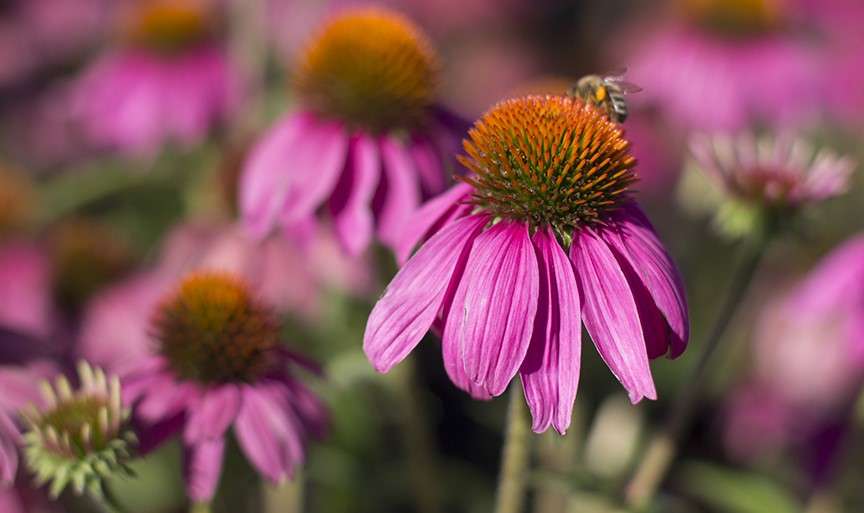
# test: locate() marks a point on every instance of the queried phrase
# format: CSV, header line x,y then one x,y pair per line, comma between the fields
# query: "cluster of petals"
x,y
508,299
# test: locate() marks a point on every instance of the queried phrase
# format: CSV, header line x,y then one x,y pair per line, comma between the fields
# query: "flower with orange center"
x,y
368,141
549,175
168,25
168,79
219,364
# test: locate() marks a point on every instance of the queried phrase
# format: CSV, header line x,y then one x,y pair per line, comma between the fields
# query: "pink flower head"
x,y
367,143
169,83
219,364
727,64
25,274
808,358
781,172
493,273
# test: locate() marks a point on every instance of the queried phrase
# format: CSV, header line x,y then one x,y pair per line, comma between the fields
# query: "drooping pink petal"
x,y
166,397
637,242
550,372
213,413
9,440
492,315
351,204
427,160
431,215
402,194
610,314
412,300
203,468
315,166
267,435
266,175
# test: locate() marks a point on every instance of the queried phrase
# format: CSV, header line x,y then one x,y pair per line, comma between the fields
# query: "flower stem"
x,y
662,448
515,456
286,497
201,507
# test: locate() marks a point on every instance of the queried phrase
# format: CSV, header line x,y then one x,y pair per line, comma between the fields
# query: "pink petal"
x,y
430,168
351,204
492,315
550,372
9,439
431,215
213,414
268,434
610,314
639,244
401,195
266,177
315,167
203,467
166,398
412,300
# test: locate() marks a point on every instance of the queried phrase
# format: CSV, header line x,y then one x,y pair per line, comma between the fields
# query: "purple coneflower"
x,y
722,65
549,175
168,82
367,141
219,364
751,177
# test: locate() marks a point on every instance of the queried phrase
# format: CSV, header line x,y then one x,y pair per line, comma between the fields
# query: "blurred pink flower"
x,y
493,272
135,100
707,81
780,172
226,371
808,359
27,305
289,277
367,143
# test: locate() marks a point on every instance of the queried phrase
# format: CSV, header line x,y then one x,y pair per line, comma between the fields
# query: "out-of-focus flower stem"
x,y
285,498
417,439
201,507
557,454
661,450
515,456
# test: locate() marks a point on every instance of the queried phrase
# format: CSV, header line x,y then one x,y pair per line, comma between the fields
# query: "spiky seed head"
x,y
212,330
369,67
79,436
168,25
548,161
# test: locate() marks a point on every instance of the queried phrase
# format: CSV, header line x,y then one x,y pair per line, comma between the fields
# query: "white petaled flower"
x,y
79,437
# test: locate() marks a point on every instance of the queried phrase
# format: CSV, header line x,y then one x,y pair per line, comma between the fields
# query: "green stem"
x,y
109,501
515,456
662,448
419,445
201,507
286,497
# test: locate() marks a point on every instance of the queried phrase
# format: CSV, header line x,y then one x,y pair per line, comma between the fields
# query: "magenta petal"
x,y
430,167
412,300
268,434
315,166
402,193
165,398
352,201
610,314
266,177
9,439
427,217
213,414
203,467
639,244
492,315
550,372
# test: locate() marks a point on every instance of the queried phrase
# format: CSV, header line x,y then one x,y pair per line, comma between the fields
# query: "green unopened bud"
x,y
80,437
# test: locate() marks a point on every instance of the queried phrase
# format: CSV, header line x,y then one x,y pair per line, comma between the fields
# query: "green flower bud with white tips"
x,y
80,437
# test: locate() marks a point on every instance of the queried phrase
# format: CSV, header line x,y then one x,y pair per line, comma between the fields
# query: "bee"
x,y
606,92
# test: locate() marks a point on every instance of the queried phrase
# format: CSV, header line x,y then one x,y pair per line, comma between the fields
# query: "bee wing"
x,y
627,87
616,74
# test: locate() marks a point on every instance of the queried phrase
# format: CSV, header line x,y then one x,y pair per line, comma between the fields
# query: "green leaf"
x,y
736,491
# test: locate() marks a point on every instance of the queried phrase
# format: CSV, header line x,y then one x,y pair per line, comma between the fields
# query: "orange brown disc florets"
x,y
369,67
169,25
548,161
737,17
211,330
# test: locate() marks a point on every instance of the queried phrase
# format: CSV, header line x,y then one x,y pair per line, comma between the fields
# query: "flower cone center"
x,y
735,16
213,331
370,68
168,25
548,161
70,418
